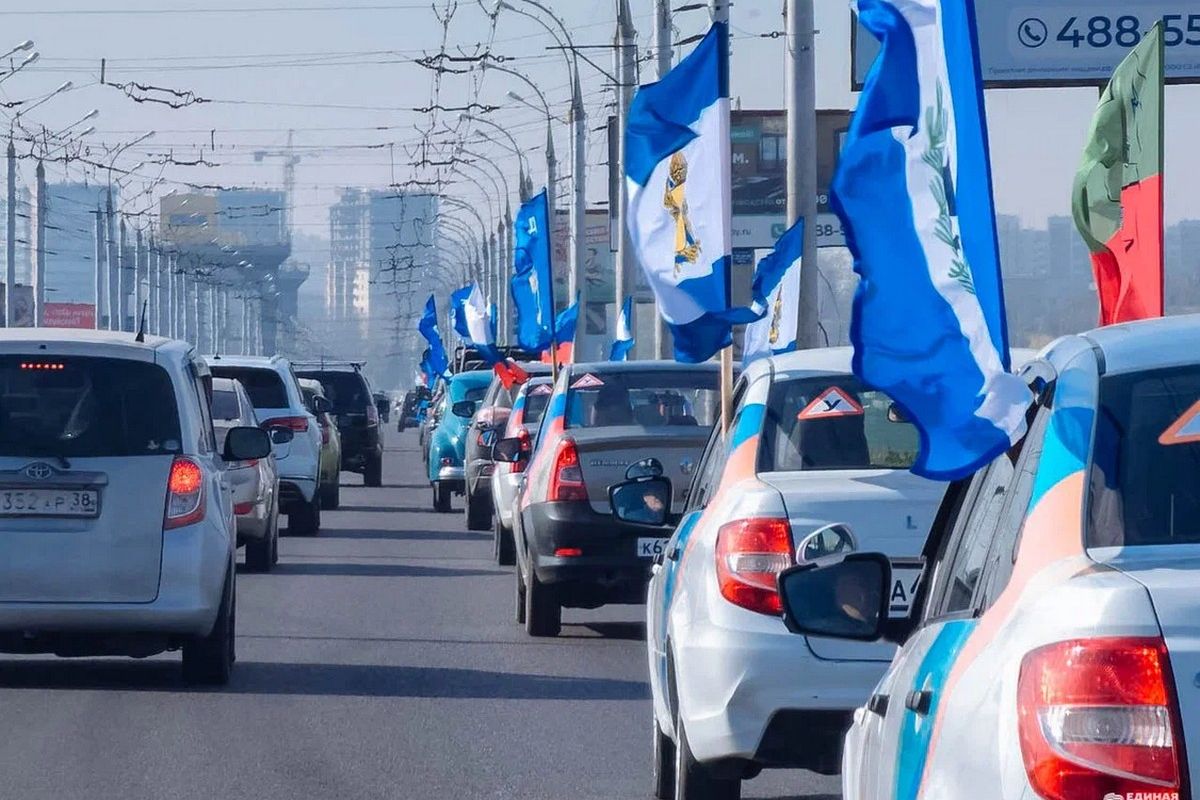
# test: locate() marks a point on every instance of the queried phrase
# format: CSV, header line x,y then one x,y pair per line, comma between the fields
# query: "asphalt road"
x,y
380,660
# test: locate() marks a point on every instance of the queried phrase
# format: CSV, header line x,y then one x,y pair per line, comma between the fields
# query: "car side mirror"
x,y
246,444
831,540
846,599
646,468
507,451
464,408
282,435
645,501
322,405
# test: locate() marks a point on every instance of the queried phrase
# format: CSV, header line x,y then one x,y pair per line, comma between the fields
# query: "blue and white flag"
x,y
437,362
565,324
458,304
677,165
532,285
481,330
776,293
914,193
624,341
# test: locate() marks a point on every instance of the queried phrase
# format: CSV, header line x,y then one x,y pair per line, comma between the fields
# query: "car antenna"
x,y
141,331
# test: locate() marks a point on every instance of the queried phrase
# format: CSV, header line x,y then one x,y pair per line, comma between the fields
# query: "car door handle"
x,y
919,701
878,704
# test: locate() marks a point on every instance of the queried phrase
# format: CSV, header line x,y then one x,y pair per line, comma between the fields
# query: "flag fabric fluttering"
x,y
914,192
677,167
776,293
623,343
438,361
1118,196
564,334
532,284
480,328
458,317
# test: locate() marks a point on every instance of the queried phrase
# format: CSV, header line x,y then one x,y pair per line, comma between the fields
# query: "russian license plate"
x,y
651,548
49,502
906,577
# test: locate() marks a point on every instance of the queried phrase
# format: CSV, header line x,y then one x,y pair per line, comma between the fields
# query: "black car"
x,y
356,414
408,409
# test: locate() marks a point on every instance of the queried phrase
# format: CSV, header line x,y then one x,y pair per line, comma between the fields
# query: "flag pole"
x,y
719,10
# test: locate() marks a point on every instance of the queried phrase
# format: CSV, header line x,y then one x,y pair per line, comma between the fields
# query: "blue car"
x,y
448,442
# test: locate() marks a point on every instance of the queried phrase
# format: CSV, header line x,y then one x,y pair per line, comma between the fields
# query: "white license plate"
x,y
49,503
905,580
651,548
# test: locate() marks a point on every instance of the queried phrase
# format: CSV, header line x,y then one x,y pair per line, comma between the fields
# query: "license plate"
x,y
49,503
651,548
906,577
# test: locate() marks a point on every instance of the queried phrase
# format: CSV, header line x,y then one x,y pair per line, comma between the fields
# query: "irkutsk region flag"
x,y
1118,200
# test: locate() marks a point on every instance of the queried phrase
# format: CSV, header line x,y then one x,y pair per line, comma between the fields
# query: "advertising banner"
x,y
69,315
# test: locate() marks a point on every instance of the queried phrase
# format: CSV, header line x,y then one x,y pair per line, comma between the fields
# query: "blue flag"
x,y
532,285
678,168
438,363
458,305
623,343
914,193
776,294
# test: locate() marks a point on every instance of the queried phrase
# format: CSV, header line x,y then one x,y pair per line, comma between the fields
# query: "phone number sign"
x,y
1057,43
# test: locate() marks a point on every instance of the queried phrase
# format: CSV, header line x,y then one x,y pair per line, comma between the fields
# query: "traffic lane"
x,y
381,660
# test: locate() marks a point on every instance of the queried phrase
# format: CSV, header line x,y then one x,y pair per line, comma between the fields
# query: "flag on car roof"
x,y
776,293
532,286
439,363
914,192
1118,198
623,342
481,331
678,166
458,304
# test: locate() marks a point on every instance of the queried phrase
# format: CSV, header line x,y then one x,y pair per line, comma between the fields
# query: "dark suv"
x,y
356,414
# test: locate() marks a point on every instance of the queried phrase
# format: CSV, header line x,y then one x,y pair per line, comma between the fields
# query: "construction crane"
x,y
290,160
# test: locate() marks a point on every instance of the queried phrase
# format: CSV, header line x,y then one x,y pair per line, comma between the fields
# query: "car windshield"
x,y
264,386
649,398
467,389
345,390
225,405
833,422
1146,460
79,407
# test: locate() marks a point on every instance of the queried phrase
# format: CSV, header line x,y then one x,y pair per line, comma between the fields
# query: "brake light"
x,y
372,415
297,424
243,508
185,494
1098,719
526,450
325,434
566,476
569,552
750,555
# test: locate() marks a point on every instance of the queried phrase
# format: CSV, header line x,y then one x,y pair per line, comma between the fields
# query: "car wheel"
x,y
441,497
520,595
373,473
208,660
506,553
331,496
479,514
543,614
664,763
275,536
693,781
305,520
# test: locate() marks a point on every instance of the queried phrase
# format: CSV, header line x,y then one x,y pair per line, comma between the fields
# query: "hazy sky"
x,y
345,80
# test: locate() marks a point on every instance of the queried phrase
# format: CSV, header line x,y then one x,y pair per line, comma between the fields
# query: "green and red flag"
x,y
1118,199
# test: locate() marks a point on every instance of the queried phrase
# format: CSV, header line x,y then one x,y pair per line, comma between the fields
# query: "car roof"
x,y
116,343
261,362
824,359
473,375
621,367
1148,344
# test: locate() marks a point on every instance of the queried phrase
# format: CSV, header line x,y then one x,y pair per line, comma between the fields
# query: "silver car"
x,y
117,533
528,407
255,483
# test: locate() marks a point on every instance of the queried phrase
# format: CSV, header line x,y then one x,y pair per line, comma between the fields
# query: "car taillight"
x,y
750,555
185,494
325,434
526,450
372,415
243,508
566,476
1098,719
297,424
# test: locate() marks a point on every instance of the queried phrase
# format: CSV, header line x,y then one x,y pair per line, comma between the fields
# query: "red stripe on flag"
x,y
1129,276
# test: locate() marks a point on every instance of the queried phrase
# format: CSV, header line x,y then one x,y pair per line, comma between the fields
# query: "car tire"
x,y
208,660
305,520
663,768
505,549
441,497
478,513
520,595
275,536
543,613
373,472
693,781
331,497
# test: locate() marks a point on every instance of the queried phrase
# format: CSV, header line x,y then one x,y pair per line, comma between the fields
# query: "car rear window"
x,y
833,423
467,389
646,398
81,407
346,390
535,405
264,387
225,405
1146,460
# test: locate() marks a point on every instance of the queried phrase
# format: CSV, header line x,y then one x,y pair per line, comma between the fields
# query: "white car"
x,y
278,403
811,449
117,534
528,407
255,483
1053,650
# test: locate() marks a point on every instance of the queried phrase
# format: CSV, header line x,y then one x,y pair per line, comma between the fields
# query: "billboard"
x,y
1065,42
600,260
69,315
22,306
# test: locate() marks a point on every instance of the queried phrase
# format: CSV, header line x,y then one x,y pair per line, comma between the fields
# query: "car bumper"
x,y
255,525
295,491
743,689
451,474
195,562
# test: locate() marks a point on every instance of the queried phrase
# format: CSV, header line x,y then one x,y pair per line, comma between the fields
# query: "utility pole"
x,y
39,247
578,207
626,60
719,9
10,266
551,197
663,348
506,249
139,275
114,267
123,277
154,259
801,157
101,266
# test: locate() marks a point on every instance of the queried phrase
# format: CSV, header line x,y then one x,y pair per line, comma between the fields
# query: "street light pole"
x,y
10,272
100,266
39,246
663,348
801,159
626,59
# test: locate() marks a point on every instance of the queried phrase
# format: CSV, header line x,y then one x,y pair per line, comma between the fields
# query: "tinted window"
x,y
86,407
833,422
1146,460
225,405
263,386
535,406
467,389
649,399
346,390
